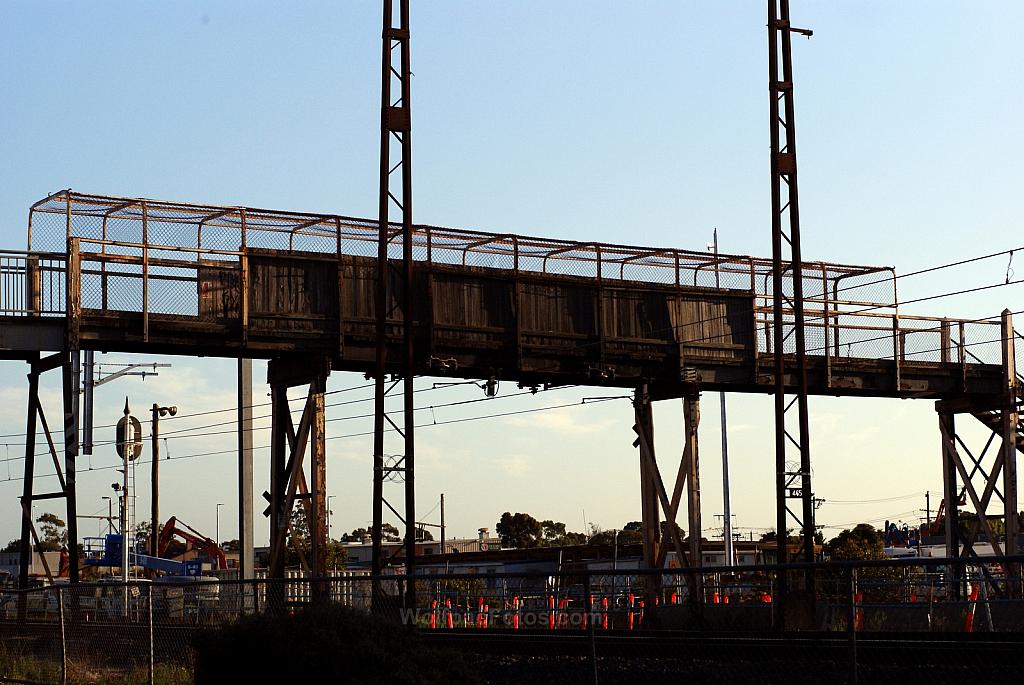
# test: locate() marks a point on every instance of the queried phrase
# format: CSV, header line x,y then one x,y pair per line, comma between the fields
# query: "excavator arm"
x,y
192,537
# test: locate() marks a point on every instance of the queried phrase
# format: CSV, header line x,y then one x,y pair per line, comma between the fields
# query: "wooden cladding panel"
x,y
713,325
560,308
472,302
220,292
292,287
359,283
636,313
475,307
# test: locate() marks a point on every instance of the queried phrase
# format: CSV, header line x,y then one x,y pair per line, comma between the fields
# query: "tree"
x,y
424,535
770,536
54,536
335,555
601,537
12,546
631,533
863,542
388,533
554,534
666,532
552,530
967,520
519,530
140,540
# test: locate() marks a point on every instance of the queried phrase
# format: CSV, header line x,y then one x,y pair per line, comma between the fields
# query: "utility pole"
x,y
244,399
396,124
730,552
442,523
786,214
154,519
129,446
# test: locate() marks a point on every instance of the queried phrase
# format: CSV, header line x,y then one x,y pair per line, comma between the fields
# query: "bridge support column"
x,y
1011,442
950,494
245,539
990,470
653,492
36,418
650,516
287,476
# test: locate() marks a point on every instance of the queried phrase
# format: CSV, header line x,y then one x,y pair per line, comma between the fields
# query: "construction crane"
x,y
192,537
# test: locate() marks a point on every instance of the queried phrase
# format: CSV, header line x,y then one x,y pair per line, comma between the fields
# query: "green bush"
x,y
328,644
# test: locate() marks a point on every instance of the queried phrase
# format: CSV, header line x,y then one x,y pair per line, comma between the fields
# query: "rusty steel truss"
x,y
140,275
316,293
395,123
786,215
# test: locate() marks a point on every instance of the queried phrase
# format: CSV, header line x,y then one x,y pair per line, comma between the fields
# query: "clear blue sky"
x,y
585,120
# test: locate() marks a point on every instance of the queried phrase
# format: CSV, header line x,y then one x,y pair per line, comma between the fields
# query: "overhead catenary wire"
x,y
60,431
896,498
887,517
266,416
187,433
466,419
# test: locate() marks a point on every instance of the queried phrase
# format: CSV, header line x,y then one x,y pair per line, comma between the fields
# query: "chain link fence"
x,y
740,624
176,260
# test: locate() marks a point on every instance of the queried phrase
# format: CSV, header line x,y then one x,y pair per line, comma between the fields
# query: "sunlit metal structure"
x,y
316,293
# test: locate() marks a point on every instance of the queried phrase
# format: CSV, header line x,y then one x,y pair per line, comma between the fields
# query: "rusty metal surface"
x,y
243,281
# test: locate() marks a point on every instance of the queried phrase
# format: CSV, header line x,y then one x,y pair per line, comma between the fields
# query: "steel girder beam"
x,y
395,124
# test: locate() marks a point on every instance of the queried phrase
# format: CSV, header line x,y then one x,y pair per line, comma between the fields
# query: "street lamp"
x,y
110,514
154,518
219,505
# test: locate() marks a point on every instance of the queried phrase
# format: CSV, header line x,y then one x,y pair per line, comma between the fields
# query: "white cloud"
x,y
556,422
514,466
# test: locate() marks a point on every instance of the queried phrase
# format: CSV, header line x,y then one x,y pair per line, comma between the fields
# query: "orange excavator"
x,y
935,527
193,540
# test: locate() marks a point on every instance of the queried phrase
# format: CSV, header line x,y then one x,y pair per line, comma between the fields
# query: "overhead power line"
x,y
466,419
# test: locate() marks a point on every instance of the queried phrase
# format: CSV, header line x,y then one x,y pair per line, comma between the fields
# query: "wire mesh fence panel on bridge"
x,y
229,278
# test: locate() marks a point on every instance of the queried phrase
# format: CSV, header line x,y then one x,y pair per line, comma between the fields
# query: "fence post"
x,y
149,607
588,606
33,286
851,625
63,638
